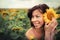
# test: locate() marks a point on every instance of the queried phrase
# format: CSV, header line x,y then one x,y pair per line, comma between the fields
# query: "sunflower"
x,y
17,28
31,37
49,14
12,10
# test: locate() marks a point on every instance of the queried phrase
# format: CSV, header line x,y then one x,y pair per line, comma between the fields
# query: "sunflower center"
x,y
50,15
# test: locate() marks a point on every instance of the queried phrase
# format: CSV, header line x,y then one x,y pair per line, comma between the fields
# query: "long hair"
x,y
42,7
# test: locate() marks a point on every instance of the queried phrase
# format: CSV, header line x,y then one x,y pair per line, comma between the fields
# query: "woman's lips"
x,y
36,23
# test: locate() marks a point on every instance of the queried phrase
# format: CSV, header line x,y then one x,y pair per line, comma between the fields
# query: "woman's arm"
x,y
47,36
50,29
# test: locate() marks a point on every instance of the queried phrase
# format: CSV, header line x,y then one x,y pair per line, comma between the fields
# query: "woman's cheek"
x,y
42,22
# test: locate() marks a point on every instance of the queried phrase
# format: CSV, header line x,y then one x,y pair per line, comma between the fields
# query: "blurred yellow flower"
x,y
32,37
12,10
13,14
17,28
10,18
49,14
58,15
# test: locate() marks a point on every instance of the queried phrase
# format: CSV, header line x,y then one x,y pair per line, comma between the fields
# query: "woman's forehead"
x,y
37,12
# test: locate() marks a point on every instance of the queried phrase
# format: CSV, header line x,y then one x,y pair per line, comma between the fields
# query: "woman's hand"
x,y
50,27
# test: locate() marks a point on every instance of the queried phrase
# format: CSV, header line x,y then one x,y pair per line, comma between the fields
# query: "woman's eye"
x,y
37,16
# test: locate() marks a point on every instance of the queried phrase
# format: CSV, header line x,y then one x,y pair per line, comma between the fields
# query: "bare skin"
x,y
34,33
50,29
37,20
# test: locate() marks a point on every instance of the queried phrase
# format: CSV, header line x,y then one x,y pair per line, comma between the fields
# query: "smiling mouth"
x,y
36,23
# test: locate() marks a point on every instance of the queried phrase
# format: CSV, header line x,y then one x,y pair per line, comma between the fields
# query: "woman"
x,y
39,29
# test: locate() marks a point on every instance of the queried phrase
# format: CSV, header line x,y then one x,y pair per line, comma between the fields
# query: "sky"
x,y
27,3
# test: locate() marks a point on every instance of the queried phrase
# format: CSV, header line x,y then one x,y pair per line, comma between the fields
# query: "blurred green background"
x,y
14,23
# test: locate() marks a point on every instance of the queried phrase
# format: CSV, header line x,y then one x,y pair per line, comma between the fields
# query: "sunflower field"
x,y
14,23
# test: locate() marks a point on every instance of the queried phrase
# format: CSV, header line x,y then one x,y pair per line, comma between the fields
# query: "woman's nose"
x,y
34,19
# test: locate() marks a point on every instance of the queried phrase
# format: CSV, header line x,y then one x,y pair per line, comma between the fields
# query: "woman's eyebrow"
x,y
40,11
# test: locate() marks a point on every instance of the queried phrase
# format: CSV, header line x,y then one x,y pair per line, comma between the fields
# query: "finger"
x,y
53,19
56,24
53,22
54,28
46,24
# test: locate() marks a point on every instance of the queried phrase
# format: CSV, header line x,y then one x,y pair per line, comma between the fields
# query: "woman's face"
x,y
37,18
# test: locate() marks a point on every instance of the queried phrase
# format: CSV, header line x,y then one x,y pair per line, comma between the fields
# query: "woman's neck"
x,y
38,30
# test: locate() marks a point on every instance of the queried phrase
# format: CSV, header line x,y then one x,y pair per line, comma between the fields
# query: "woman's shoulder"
x,y
29,33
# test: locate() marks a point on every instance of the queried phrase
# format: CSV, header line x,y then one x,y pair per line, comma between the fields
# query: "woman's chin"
x,y
37,27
